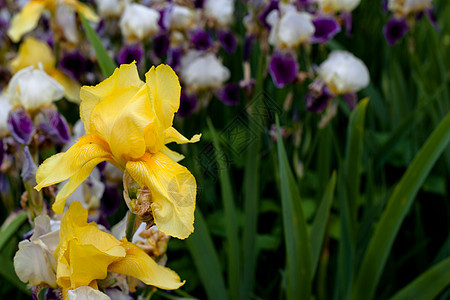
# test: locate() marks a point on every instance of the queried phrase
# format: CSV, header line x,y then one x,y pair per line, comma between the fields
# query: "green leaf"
x,y
353,155
427,285
251,186
11,229
234,268
397,207
298,248
107,65
205,258
320,222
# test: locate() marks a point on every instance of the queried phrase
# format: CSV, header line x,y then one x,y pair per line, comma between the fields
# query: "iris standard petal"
x,y
173,191
26,20
32,52
164,90
138,264
123,82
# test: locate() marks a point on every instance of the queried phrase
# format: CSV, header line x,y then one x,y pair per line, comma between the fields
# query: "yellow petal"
x,y
175,156
26,20
141,266
173,192
78,161
74,182
71,87
83,9
115,91
164,90
31,52
88,263
172,135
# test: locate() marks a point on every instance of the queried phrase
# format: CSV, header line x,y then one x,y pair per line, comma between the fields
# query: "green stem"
x,y
130,226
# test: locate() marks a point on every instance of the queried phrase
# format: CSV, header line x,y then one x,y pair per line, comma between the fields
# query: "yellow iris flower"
x,y
127,123
30,14
86,254
32,52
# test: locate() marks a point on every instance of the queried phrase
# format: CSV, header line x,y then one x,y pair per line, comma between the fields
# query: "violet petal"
x,y
161,45
228,41
318,102
29,167
325,29
351,99
21,126
348,22
130,53
229,94
174,58
394,30
262,17
2,151
283,68
248,44
201,39
55,126
73,64
111,199
432,18
188,103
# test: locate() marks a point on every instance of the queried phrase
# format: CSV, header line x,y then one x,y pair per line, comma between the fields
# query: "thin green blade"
x,y
298,249
320,222
107,65
397,208
205,258
427,285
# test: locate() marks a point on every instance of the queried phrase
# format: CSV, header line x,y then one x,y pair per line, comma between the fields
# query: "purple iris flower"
x,y
432,18
130,53
201,39
73,64
161,45
199,3
188,103
2,151
248,43
351,99
29,167
325,29
174,58
348,22
228,41
229,94
164,17
317,101
263,16
283,68
111,199
394,30
21,126
54,125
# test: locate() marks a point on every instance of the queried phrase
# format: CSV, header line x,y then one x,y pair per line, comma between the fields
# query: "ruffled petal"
x,y
26,20
77,162
164,90
173,192
172,135
105,101
33,264
32,52
71,87
138,264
